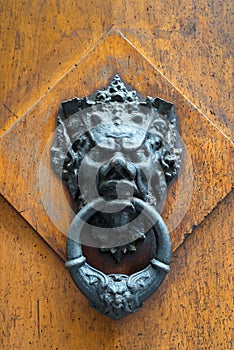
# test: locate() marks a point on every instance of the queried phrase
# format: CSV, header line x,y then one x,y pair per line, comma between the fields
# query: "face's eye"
x,y
100,154
156,144
139,155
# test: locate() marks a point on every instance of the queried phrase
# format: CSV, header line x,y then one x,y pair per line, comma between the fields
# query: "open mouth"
x,y
118,189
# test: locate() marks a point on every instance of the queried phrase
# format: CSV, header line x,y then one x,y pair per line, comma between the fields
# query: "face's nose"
x,y
118,168
117,162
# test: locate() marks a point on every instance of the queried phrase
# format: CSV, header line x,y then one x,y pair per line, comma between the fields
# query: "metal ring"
x,y
117,295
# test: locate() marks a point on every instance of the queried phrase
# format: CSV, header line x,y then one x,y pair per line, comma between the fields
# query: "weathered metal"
x,y
117,153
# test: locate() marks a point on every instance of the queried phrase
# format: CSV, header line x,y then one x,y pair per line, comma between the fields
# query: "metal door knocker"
x,y
117,153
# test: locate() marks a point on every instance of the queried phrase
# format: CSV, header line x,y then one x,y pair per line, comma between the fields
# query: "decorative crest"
x,y
117,92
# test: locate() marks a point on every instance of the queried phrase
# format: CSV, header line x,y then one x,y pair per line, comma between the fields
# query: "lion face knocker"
x,y
117,154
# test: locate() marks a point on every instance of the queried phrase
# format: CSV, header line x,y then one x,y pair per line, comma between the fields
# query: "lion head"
x,y
117,145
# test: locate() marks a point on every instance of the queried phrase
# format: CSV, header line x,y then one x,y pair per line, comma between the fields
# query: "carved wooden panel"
x,y
41,308
205,177
53,51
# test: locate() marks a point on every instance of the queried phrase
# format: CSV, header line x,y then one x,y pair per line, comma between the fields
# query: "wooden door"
x,y
51,51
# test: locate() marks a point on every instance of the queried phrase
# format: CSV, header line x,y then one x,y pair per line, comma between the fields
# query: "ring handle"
x,y
117,295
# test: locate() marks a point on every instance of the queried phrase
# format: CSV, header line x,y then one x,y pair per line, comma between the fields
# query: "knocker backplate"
x,y
117,153
35,192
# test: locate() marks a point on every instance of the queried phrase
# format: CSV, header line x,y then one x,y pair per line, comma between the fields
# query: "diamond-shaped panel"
x,y
205,177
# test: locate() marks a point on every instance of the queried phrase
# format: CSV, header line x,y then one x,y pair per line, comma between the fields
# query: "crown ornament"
x,y
117,93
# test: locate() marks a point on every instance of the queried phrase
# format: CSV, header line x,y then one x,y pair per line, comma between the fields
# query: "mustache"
x,y
114,184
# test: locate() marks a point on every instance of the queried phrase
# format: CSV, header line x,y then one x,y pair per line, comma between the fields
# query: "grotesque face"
x,y
123,163
117,146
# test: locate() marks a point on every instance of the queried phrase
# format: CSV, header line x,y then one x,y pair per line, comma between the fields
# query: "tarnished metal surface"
x,y
117,153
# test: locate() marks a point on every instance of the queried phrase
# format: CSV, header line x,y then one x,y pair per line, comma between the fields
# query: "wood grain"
x,y
191,43
193,309
42,309
40,42
205,176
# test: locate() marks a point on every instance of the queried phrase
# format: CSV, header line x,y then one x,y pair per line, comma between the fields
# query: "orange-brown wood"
x,y
193,308
191,44
42,309
40,41
206,172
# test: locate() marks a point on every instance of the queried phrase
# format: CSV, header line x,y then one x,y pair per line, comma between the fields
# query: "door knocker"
x,y
117,153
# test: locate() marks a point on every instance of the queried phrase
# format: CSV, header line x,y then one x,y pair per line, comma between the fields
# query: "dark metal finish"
x,y
117,295
117,153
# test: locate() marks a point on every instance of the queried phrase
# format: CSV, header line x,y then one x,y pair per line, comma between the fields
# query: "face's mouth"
x,y
120,183
119,189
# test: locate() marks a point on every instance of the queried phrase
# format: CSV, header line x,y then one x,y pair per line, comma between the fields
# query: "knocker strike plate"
x,y
117,153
